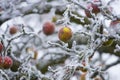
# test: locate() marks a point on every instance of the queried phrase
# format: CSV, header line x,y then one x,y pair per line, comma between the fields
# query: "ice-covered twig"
x,y
117,48
3,75
63,47
110,65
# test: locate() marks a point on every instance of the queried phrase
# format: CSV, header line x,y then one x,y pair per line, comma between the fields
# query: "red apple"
x,y
94,7
48,28
5,62
13,30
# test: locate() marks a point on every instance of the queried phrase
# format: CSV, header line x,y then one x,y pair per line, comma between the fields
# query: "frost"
x,y
44,57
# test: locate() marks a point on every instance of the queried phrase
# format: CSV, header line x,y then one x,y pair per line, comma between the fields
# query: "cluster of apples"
x,y
94,8
6,61
64,34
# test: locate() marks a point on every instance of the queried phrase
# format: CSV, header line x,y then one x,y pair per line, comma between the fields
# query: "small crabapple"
x,y
94,7
13,30
65,34
15,65
5,62
48,28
